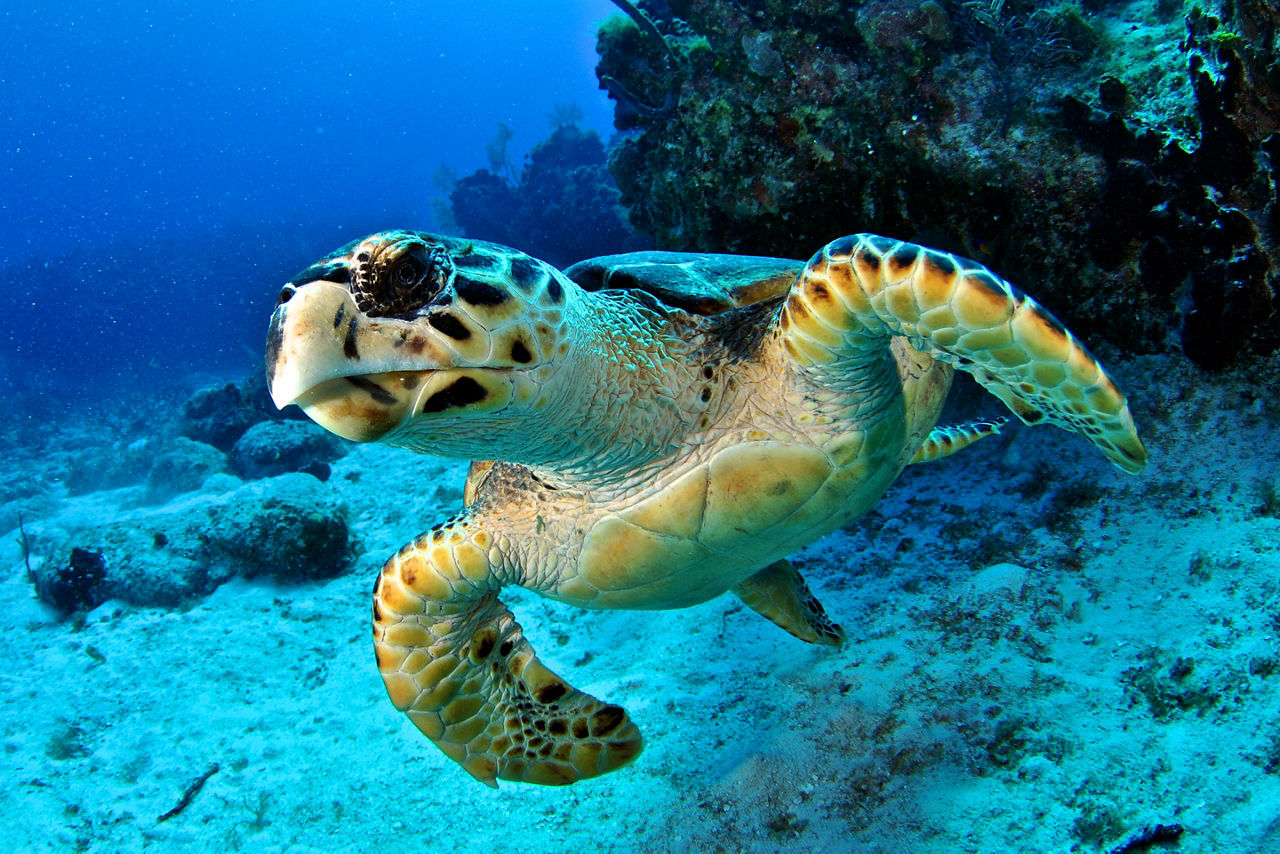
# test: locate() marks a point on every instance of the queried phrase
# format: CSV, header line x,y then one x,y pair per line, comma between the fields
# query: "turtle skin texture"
x,y
649,431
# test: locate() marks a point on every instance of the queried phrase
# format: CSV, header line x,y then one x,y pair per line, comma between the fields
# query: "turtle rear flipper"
x,y
862,289
942,442
456,662
778,593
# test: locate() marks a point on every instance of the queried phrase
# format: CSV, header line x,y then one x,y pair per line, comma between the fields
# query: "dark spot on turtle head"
x,y
558,726
286,294
337,318
475,261
548,694
707,372
520,353
555,291
375,391
506,648
580,729
447,323
462,392
607,719
478,293
525,273
706,395
362,257
349,348
337,273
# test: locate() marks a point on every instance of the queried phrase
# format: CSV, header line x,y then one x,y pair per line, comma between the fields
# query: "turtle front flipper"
x,y
862,289
456,662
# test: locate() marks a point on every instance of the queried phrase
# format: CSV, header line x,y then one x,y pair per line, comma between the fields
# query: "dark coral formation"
x,y
219,415
240,419
76,584
565,207
1122,169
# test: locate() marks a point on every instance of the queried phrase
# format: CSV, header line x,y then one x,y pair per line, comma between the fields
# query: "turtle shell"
x,y
699,283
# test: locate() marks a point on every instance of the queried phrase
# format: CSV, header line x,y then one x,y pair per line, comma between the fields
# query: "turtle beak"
x,y
342,369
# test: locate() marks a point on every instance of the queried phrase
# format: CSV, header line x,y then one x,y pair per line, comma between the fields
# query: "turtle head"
x,y
402,336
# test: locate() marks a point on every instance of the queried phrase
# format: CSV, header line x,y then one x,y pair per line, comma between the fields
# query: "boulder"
x,y
271,448
181,466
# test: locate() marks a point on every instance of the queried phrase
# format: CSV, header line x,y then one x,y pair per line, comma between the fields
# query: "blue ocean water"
x,y
166,165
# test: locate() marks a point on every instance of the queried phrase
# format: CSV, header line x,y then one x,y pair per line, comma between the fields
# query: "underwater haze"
x,y
166,166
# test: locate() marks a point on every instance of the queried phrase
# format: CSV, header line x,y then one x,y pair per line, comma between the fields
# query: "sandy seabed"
x,y
1044,654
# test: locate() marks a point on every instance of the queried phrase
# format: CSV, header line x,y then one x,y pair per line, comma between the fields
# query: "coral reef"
x,y
564,208
1117,159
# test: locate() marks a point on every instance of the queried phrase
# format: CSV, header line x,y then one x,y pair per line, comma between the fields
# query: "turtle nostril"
x,y
286,293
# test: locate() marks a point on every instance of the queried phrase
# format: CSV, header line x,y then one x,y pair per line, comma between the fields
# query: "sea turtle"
x,y
666,427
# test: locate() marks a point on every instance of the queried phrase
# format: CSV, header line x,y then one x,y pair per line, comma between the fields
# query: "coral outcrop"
x,y
564,208
1119,160
219,415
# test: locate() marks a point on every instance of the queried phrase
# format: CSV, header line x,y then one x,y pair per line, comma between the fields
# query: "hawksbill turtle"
x,y
648,431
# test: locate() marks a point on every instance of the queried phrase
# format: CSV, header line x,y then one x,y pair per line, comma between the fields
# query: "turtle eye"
x,y
406,275
401,278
